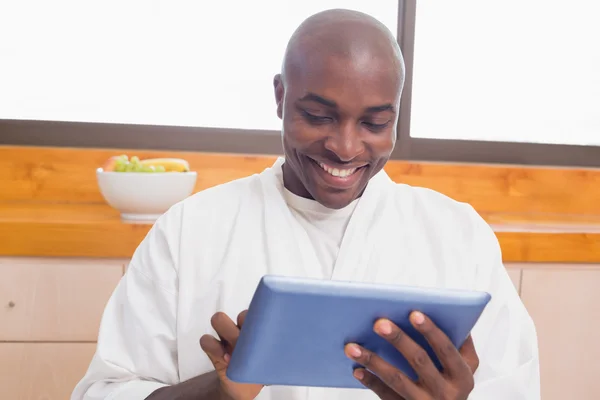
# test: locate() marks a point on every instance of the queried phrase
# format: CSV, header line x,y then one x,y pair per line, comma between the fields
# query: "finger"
x,y
226,329
469,354
392,377
449,356
375,384
241,318
215,352
417,357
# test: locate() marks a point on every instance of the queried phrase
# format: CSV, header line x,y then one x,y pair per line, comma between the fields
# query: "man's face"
x,y
339,127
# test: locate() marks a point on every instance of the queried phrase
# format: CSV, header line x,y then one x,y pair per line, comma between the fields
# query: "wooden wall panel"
x,y
68,176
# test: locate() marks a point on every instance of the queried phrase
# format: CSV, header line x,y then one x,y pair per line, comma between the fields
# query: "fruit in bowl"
x,y
142,190
124,164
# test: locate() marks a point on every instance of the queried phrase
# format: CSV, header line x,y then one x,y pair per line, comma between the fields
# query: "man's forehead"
x,y
337,77
341,59
354,52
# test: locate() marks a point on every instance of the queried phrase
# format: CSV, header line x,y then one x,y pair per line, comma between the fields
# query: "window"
x,y
169,63
495,82
501,82
509,71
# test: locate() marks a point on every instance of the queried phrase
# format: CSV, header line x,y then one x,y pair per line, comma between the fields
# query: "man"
x,y
327,210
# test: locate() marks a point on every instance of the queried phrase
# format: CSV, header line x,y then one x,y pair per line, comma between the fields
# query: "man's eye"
x,y
317,119
376,127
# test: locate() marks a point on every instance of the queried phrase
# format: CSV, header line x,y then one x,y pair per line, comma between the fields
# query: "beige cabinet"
x,y
54,300
49,371
564,302
515,276
50,311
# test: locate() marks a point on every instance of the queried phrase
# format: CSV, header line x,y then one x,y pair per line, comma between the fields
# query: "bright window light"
x,y
512,70
162,62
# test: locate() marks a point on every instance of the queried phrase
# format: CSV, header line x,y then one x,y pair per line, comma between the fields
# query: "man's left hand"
x,y
455,383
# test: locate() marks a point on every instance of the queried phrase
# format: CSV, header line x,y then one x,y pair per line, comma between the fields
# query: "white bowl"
x,y
144,196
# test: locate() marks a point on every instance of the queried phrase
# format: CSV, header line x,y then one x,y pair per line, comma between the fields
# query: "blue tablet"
x,y
296,328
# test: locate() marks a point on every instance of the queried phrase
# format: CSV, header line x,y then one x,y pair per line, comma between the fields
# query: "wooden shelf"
x,y
68,230
96,230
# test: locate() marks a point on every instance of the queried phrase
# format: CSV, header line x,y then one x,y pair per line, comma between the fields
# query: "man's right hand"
x,y
219,351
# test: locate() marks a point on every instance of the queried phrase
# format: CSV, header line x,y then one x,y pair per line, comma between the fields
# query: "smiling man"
x,y
338,96
325,210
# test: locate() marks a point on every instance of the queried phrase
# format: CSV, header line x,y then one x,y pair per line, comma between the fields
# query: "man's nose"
x,y
346,143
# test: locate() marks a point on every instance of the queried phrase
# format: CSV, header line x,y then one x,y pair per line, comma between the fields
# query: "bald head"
x,y
338,96
348,36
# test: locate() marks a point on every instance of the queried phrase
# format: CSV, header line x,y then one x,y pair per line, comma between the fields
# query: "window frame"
x,y
225,140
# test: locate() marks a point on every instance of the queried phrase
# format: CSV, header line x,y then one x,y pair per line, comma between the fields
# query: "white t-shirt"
x,y
324,226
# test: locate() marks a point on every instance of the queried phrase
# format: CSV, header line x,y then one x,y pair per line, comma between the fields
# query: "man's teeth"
x,y
342,173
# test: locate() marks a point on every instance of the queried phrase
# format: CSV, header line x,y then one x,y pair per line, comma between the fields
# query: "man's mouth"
x,y
340,172
336,176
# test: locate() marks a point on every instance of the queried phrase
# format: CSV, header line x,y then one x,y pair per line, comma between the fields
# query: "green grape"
x,y
160,168
135,166
121,165
147,168
130,167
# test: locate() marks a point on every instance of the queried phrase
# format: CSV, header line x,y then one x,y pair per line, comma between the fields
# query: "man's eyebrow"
x,y
316,98
332,104
381,108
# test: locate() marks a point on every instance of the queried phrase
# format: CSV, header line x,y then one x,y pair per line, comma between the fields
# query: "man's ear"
x,y
279,94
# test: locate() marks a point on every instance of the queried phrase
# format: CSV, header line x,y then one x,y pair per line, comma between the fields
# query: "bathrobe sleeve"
x,y
136,351
505,336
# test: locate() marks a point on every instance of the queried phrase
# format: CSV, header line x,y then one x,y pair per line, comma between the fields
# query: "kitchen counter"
x,y
50,205
96,230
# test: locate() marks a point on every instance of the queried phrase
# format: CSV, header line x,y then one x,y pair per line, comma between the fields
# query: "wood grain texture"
x,y
42,371
550,247
50,204
55,300
74,230
65,175
68,176
95,230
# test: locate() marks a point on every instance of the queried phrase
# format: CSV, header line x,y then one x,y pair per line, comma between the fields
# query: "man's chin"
x,y
335,199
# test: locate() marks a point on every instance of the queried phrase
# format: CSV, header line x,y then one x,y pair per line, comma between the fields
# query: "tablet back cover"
x,y
296,328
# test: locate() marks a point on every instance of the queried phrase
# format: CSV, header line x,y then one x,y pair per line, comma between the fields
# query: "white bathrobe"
x,y
208,253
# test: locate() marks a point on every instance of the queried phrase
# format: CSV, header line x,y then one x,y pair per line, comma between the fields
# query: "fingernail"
x,y
354,350
418,318
384,327
359,374
227,357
